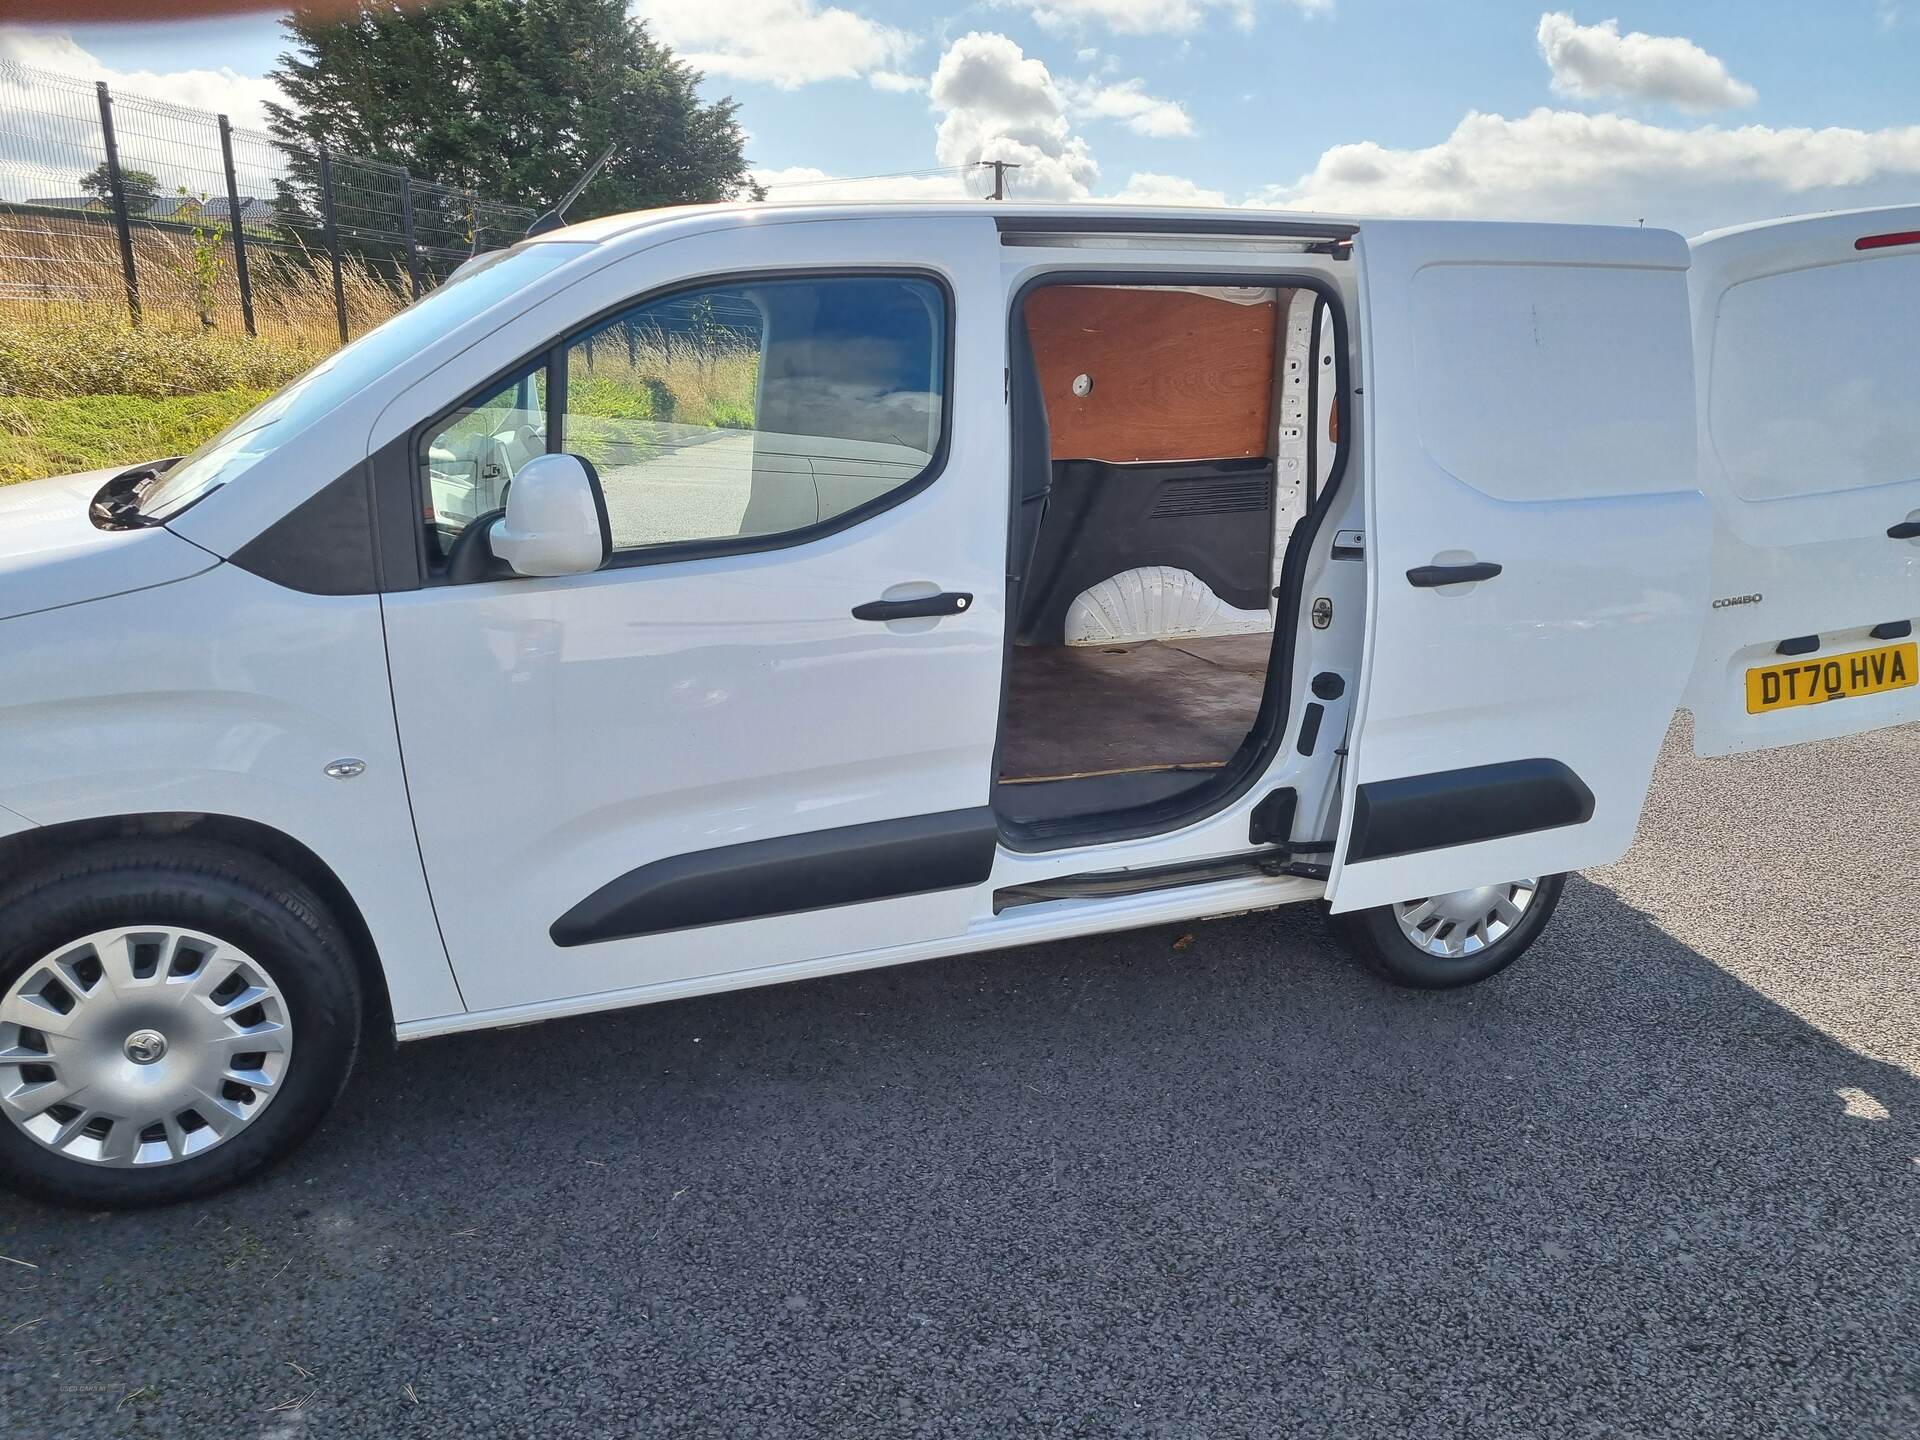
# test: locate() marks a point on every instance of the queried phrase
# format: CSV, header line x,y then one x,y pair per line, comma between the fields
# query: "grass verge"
x,y
86,432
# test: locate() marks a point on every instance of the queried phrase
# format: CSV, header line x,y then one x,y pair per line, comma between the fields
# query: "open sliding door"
x,y
1537,550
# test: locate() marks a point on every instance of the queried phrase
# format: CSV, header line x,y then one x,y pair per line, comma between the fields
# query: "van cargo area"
x,y
1185,429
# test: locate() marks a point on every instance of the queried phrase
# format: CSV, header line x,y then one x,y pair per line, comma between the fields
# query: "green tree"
x,y
141,188
512,99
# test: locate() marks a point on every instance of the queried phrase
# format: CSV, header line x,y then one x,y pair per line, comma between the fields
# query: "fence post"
x,y
333,241
117,192
406,225
233,220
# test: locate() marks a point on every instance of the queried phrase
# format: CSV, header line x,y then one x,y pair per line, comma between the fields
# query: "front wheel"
x,y
1441,942
173,1016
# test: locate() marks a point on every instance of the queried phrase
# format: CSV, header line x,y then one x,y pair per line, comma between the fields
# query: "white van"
x,y
713,597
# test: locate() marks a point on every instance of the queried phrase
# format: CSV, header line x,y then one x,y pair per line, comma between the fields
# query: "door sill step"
x,y
1106,884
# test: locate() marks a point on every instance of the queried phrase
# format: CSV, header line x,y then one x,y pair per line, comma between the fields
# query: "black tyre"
x,y
174,1015
1441,942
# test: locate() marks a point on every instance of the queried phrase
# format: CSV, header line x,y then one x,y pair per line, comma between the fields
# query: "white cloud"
x,y
223,91
1565,165
1150,17
896,81
998,103
1146,188
785,43
1128,102
1595,61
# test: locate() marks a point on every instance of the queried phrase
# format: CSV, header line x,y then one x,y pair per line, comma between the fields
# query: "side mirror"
x,y
556,520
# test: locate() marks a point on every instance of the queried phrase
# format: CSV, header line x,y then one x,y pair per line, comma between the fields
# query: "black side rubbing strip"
x,y
1892,630
1799,645
1461,807
788,874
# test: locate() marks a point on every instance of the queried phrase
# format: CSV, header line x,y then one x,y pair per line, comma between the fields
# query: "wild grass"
x,y
87,432
82,387
59,359
659,376
60,270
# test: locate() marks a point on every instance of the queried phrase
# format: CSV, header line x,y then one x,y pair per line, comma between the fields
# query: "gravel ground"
x,y
1660,1178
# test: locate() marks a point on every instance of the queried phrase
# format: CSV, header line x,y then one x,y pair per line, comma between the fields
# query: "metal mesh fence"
x,y
119,208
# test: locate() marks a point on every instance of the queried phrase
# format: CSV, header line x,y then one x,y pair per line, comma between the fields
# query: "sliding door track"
x,y
1273,862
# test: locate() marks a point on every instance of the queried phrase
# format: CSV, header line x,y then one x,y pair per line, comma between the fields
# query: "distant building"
x,y
253,210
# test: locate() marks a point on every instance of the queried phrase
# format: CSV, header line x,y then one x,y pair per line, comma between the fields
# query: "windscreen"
x,y
242,445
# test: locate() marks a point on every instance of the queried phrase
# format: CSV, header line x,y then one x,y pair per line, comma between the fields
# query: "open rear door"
x,y
1537,550
1804,335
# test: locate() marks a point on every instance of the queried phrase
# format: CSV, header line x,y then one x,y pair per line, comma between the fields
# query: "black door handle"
x,y
1905,530
948,602
1429,576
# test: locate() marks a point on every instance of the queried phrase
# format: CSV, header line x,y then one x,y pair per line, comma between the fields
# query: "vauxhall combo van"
x,y
720,596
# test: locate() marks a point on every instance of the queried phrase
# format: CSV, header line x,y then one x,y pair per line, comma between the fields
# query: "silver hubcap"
x,y
141,1046
1464,922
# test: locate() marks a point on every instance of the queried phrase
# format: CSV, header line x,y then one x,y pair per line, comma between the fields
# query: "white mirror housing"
x,y
556,521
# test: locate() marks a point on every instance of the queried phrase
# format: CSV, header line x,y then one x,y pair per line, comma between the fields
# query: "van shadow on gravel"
x,y
1141,1185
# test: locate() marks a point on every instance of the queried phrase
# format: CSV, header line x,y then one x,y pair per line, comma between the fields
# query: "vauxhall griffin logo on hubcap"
x,y
146,1046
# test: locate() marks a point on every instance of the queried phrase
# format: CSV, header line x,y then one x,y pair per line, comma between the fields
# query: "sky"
x,y
1684,115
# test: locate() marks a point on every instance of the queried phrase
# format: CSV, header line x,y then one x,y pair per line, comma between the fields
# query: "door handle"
x,y
1905,530
947,602
1426,577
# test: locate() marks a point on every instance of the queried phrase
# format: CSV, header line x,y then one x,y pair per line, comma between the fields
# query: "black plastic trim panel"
x,y
1310,727
1210,517
1463,807
788,874
1173,225
325,545
396,517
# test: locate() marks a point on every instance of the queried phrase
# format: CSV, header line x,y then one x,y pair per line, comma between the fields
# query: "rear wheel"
x,y
173,1016
1440,942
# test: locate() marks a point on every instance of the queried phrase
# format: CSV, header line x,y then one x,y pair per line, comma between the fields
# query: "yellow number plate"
x,y
1832,677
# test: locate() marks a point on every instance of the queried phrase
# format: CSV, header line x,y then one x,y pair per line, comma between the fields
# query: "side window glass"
x,y
471,458
758,408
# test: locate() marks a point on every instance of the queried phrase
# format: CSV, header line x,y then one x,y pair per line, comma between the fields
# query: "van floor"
x,y
1081,710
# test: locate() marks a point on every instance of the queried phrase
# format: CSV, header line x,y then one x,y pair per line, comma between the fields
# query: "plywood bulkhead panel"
x,y
1175,374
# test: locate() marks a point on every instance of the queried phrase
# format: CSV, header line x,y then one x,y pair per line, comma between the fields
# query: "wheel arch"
x,y
29,850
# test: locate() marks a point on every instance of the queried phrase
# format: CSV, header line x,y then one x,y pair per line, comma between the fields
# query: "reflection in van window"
x,y
757,409
750,409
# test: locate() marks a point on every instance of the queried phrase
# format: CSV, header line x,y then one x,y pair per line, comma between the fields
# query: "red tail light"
x,y
1881,242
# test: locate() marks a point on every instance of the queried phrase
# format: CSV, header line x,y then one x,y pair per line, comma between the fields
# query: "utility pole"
x,y
1000,168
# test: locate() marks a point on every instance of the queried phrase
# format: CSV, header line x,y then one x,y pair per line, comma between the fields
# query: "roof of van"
x,y
1075,216
1078,217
